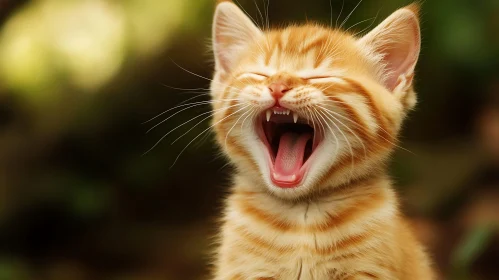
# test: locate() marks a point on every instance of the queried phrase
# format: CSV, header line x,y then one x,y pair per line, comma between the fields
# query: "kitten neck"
x,y
243,184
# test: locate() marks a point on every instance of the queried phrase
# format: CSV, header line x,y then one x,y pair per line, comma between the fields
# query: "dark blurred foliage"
x,y
79,200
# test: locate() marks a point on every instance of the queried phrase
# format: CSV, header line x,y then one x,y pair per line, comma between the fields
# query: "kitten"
x,y
309,116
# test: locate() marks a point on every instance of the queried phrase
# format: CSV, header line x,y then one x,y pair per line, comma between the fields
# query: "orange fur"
x,y
343,220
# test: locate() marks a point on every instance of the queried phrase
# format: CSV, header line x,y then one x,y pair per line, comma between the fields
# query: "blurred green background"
x,y
79,200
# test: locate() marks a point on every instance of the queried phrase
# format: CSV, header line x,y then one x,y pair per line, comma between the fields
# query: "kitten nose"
x,y
278,89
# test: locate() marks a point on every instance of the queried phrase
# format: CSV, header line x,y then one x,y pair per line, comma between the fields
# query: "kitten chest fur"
x,y
340,235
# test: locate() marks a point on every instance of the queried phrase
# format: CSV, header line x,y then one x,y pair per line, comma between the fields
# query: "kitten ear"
x,y
232,31
396,43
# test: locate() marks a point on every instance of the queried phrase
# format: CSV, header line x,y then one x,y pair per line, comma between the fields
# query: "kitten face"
x,y
306,107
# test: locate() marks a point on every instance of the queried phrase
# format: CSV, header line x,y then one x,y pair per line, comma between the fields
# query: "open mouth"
x,y
291,142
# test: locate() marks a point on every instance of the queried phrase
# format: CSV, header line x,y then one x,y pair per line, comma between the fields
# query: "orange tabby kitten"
x,y
309,116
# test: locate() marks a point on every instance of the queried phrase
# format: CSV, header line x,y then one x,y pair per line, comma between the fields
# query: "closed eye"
x,y
322,79
317,78
257,76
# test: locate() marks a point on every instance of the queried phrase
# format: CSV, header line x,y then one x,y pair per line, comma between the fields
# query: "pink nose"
x,y
278,89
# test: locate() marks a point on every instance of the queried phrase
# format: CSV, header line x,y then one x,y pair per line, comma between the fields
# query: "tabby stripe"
x,y
351,214
338,258
368,275
355,87
358,125
360,89
231,109
347,216
313,44
260,215
344,162
388,266
260,242
250,249
342,257
343,245
377,113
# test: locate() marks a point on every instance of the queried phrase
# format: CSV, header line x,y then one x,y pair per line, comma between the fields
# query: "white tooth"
x,y
275,112
287,112
268,113
295,117
293,178
275,175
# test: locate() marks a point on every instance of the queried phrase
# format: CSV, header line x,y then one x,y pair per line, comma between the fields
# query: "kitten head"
x,y
307,107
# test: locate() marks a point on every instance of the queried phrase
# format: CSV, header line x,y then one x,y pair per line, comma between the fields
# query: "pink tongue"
x,y
290,154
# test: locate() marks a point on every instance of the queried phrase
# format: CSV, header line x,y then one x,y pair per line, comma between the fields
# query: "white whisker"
x,y
188,105
228,133
327,111
331,12
368,27
242,8
186,89
350,14
360,22
242,124
189,99
202,77
361,127
348,143
178,138
260,14
204,119
332,132
341,11
267,13
211,126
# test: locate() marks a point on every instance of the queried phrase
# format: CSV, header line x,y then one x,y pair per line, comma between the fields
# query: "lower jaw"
x,y
286,184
